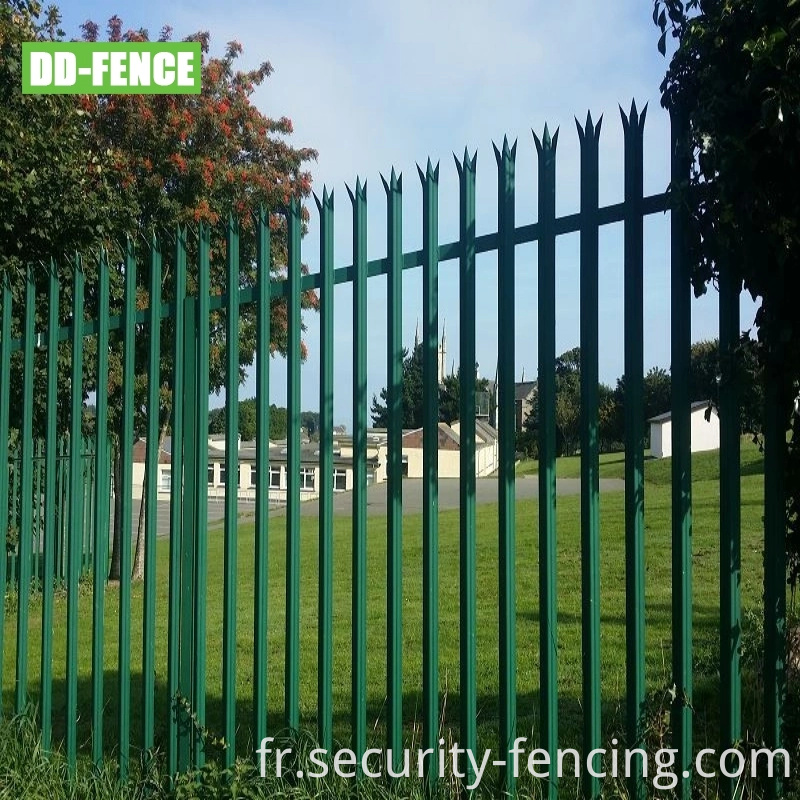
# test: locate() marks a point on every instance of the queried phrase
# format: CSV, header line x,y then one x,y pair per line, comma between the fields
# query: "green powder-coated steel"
x,y
589,136
292,665
394,465
189,598
202,326
430,463
261,578
325,616
26,498
231,491
680,344
633,126
75,492
102,503
358,711
778,394
75,480
506,424
177,720
730,564
5,373
151,501
126,509
548,671
50,513
468,626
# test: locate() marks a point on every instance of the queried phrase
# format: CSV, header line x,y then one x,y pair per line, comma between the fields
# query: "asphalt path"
x,y
527,488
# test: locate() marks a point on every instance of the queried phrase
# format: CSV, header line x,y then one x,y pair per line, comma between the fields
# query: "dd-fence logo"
x,y
111,68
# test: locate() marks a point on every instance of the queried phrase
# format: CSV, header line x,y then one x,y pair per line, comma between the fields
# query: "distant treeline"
x,y
309,421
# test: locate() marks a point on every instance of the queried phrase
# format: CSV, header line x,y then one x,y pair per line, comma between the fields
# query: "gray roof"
x,y
668,414
524,389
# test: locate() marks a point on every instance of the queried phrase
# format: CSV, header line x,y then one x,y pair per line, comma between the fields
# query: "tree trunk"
x,y
116,542
141,533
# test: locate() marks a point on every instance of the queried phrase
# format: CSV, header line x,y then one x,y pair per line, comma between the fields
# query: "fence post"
x,y
75,493
589,136
467,541
430,463
292,662
325,620
25,537
178,719
260,657
51,513
680,349
5,376
548,626
633,125
506,425
102,517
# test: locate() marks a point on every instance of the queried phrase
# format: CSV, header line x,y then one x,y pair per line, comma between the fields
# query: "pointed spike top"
x,y
633,108
466,163
431,173
546,143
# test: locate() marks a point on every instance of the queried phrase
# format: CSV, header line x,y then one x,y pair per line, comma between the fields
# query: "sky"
x,y
373,85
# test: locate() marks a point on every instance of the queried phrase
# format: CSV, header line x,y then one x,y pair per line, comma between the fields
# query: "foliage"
x,y
57,196
185,160
734,80
449,394
412,394
247,421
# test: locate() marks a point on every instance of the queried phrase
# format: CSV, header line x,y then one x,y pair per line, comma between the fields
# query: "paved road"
x,y
486,492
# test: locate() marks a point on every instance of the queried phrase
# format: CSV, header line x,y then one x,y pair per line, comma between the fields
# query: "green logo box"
x,y
111,68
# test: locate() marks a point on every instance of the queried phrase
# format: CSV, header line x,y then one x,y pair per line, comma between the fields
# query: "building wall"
x,y
704,434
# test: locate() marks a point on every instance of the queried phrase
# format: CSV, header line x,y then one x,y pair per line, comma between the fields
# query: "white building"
x,y
704,434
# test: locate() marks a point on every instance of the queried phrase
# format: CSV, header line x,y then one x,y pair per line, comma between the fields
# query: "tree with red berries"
x,y
183,160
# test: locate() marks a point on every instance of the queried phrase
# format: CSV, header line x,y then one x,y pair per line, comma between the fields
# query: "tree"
x,y
449,394
734,79
57,199
190,159
412,394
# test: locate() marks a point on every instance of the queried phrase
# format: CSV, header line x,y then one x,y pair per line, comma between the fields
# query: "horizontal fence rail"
x,y
57,484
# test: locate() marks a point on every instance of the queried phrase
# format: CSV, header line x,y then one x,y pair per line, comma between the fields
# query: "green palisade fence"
x,y
56,486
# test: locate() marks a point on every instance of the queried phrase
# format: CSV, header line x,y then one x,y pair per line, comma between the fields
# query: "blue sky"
x,y
373,84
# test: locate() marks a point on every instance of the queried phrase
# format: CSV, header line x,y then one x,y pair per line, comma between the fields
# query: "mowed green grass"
x,y
659,592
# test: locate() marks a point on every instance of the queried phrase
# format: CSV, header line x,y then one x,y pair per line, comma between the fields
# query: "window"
x,y
274,477
339,480
307,479
253,474
166,479
223,475
210,474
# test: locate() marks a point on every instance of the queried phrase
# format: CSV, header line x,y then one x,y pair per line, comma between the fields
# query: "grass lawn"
x,y
658,589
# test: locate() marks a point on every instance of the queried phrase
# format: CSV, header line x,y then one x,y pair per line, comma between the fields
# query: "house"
x,y
449,461
524,396
704,434
486,455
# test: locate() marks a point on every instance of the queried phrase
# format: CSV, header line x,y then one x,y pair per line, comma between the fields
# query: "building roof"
x,y
523,390
667,415
140,453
